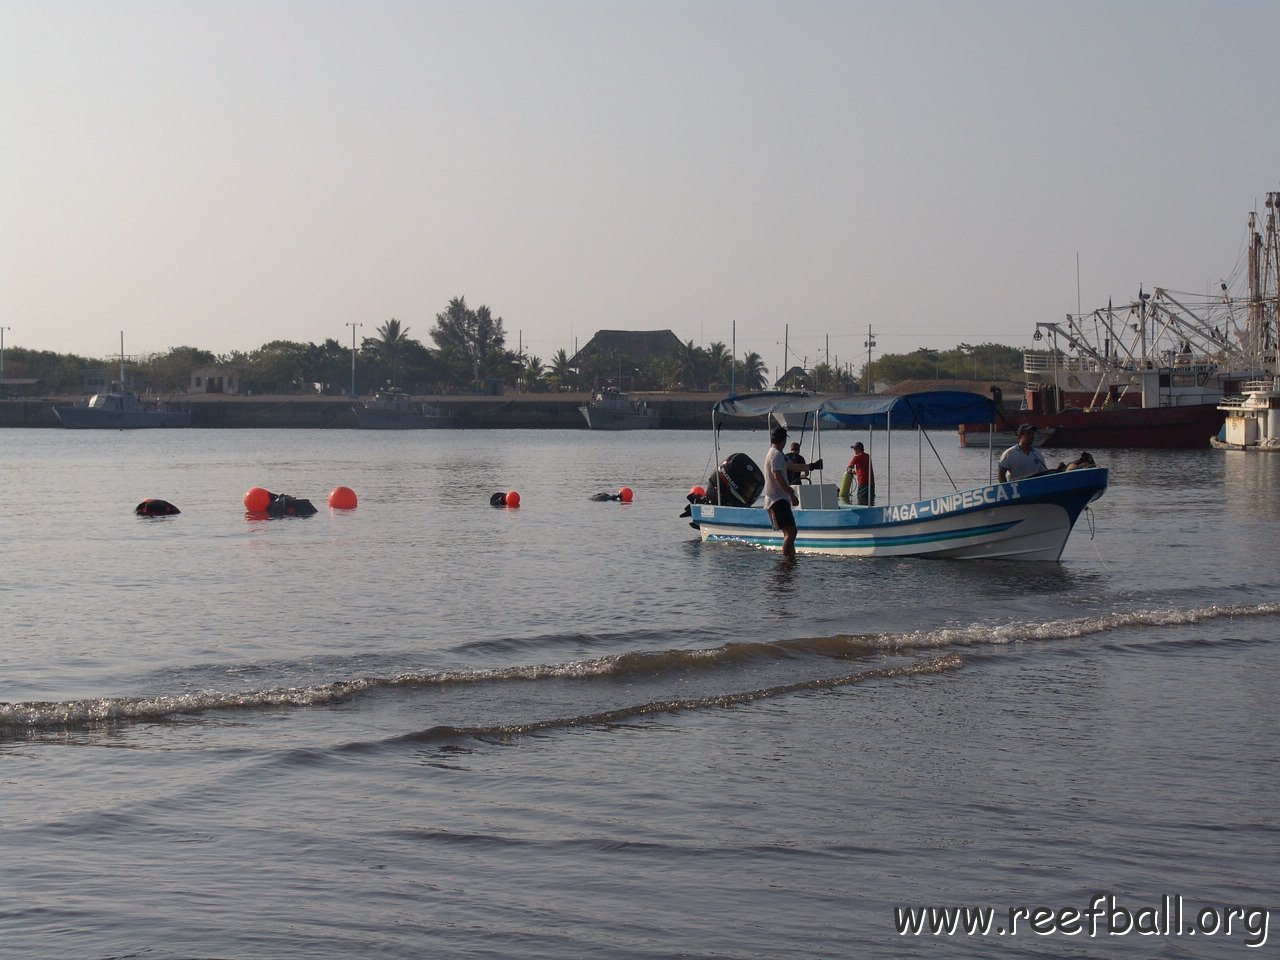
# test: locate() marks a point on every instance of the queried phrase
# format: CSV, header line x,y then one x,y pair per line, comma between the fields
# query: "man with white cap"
x,y
1022,460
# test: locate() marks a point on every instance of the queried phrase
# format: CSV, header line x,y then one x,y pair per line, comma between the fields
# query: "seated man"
x,y
1022,460
797,468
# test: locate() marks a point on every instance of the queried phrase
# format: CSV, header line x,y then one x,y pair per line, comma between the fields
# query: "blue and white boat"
x,y
1027,519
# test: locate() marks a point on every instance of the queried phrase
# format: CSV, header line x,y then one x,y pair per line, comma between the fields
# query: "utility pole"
x,y
870,345
786,337
733,359
2,330
353,357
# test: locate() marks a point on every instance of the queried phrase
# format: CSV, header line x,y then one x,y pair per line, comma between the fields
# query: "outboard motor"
x,y
737,483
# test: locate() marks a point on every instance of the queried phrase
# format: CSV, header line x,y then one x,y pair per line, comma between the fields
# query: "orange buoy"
x,y
513,499
256,500
342,498
625,494
697,491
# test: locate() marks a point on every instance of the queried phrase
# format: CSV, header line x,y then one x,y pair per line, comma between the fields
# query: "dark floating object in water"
x,y
498,499
259,500
283,505
624,495
156,508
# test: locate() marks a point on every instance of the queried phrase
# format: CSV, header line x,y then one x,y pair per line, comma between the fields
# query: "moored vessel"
x,y
610,409
121,409
1151,374
1252,418
393,409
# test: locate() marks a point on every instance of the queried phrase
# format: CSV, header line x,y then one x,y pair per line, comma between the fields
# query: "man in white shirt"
x,y
1022,460
779,498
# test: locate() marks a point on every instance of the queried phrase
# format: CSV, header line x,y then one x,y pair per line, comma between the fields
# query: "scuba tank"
x,y
846,484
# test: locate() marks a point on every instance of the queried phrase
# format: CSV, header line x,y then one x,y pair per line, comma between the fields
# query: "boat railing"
x,y
1247,389
1040,363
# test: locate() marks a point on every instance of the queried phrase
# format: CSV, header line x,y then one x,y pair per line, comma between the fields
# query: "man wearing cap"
x,y
864,478
1022,460
779,498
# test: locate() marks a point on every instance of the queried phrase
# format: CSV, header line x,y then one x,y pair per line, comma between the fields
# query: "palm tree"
x,y
532,373
690,361
719,362
389,344
561,368
753,372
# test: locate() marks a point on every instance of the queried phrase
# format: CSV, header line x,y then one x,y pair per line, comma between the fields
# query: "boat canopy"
x,y
930,409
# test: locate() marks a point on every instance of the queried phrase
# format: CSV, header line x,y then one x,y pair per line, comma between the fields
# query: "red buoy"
x,y
342,498
697,491
625,494
256,500
513,499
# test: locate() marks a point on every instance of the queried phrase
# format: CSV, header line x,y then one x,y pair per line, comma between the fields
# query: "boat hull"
x,y
401,420
1139,428
1269,446
1024,520
87,418
603,419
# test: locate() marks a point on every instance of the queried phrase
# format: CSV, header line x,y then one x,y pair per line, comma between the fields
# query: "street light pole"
x,y
870,344
2,330
353,357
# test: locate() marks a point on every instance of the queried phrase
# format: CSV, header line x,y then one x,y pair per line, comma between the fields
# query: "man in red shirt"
x,y
864,478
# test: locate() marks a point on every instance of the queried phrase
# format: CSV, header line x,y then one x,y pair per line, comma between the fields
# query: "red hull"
x,y
1151,428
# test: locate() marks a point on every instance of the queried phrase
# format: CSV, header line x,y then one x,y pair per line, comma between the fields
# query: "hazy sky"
x,y
221,174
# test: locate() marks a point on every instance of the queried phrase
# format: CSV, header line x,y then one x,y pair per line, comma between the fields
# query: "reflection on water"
x,y
1251,484
782,575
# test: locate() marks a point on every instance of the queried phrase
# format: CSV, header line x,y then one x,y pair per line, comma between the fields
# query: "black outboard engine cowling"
x,y
738,482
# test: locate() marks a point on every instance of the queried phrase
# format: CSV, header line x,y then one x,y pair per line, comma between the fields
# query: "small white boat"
x,y
1027,519
393,409
1252,418
611,409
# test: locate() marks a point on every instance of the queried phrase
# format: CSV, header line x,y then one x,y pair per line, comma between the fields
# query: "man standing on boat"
x,y
1022,460
864,478
779,498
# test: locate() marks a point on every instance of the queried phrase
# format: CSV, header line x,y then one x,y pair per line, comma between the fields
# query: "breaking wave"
x,y
20,719
623,714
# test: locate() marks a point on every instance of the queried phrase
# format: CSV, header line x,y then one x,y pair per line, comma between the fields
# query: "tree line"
x,y
469,347
984,361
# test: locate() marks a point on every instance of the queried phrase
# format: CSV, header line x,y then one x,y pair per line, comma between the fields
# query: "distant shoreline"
x,y
522,411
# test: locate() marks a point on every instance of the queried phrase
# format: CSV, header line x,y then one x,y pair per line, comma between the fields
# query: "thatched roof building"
x,y
639,345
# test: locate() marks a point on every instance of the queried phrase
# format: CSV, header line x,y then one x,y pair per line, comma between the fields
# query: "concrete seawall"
x,y
519,411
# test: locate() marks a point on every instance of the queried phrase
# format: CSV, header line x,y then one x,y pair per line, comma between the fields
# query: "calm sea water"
x,y
432,728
